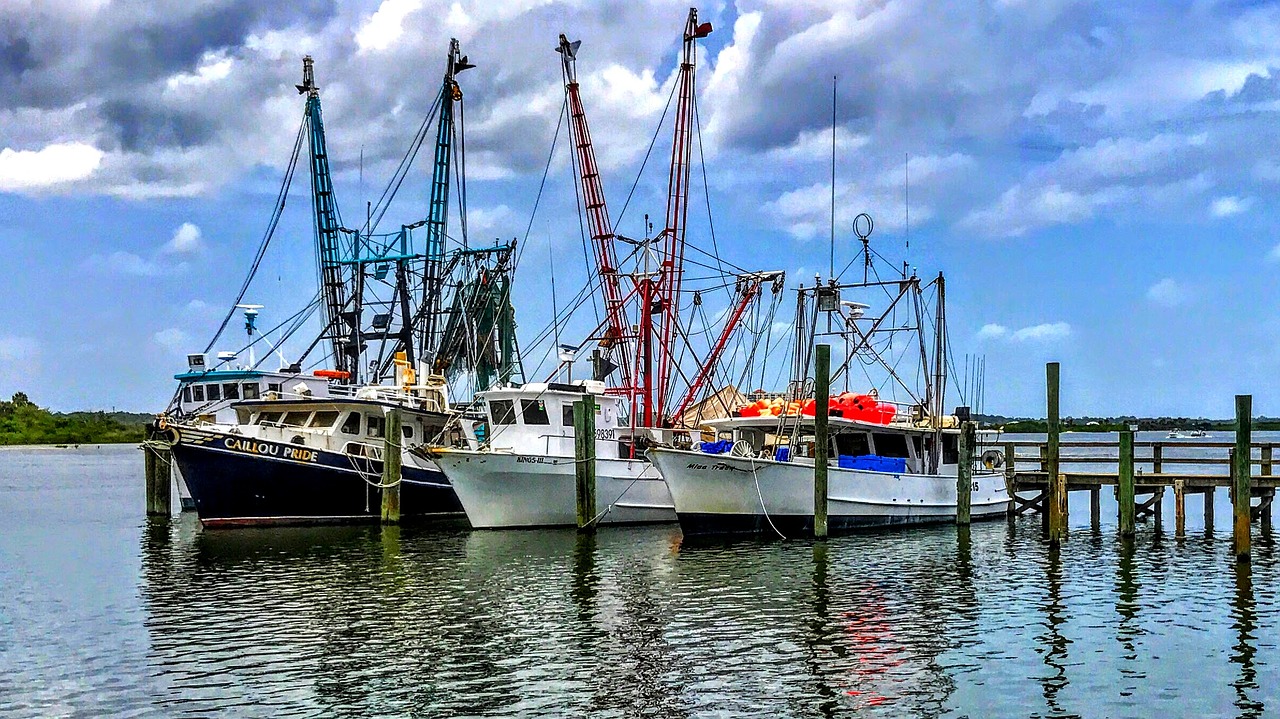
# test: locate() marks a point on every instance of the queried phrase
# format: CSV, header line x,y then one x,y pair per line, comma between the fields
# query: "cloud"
x,y
991,331
386,25
172,339
18,349
48,167
125,263
1168,293
186,240
1047,332
1228,205
1274,254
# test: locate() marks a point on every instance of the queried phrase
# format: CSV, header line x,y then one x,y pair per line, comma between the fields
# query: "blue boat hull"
x,y
240,481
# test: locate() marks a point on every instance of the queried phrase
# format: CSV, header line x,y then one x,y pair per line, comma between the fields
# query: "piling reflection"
x,y
1244,613
1053,641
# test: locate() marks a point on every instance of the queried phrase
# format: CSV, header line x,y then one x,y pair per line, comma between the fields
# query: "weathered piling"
x,y
1056,499
1179,508
821,396
584,455
1095,508
1208,509
1264,510
964,472
1011,476
1125,488
158,462
1240,472
392,441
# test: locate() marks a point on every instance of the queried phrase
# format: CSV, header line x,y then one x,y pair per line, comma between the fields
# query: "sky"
x,y
1095,179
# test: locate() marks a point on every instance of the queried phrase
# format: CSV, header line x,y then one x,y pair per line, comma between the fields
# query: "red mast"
x,y
665,292
598,222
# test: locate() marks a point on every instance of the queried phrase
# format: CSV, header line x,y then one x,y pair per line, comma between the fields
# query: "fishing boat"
x,y
894,462
519,471
308,447
1186,434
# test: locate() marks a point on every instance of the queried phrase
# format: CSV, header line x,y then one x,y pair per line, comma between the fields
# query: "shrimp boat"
x,y
518,469
261,447
894,462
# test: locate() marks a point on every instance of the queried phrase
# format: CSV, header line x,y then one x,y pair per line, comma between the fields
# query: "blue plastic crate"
x,y
874,463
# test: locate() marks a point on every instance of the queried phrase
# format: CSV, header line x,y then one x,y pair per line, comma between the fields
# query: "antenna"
x,y
250,324
906,196
833,175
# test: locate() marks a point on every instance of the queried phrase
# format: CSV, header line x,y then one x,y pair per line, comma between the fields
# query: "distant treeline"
x,y
1115,424
22,422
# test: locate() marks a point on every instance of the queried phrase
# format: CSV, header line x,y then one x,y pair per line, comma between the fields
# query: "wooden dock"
x,y
1041,475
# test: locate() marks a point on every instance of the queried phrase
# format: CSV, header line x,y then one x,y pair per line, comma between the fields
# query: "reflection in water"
x,y
1244,612
1055,643
1128,629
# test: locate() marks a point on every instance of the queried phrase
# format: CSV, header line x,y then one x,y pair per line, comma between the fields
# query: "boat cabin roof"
x,y
836,424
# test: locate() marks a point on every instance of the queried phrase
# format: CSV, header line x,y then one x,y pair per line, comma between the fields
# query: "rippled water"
x,y
104,613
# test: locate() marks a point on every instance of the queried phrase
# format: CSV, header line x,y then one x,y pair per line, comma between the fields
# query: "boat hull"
x,y
501,490
241,481
720,494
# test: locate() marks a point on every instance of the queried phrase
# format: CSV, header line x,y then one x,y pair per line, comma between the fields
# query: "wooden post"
x,y
1264,516
158,461
1095,508
1124,488
821,452
392,443
1179,508
1240,473
1011,475
964,473
1157,458
1056,499
584,455
1208,509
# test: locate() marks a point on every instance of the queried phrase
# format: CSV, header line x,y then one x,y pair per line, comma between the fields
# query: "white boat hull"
x,y
505,490
723,494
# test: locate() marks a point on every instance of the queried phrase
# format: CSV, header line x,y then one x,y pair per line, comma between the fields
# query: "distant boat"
x,y
1185,434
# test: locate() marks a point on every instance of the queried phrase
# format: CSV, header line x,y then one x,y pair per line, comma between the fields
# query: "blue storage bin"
x,y
782,455
720,447
874,463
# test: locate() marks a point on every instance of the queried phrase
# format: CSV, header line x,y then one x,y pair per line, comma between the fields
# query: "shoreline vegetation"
x,y
22,422
1116,424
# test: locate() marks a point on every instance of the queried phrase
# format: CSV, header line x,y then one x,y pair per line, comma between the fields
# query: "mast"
x,y
341,326
438,217
666,301
939,369
597,216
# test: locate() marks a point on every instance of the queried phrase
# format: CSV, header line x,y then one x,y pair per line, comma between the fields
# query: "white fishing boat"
x,y
518,469
1185,434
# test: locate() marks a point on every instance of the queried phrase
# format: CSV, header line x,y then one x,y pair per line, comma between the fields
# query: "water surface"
x,y
103,613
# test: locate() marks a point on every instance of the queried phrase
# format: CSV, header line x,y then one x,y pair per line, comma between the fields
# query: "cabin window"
x,y
503,411
891,445
918,442
534,411
950,449
375,426
186,393
213,392
231,390
295,419
407,431
566,414
852,445
352,424
324,420
250,390
273,387
198,392
269,418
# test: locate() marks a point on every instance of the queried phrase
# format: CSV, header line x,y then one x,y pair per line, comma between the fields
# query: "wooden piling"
x,y
821,451
1264,510
584,454
964,473
1056,499
1010,475
1240,472
157,463
392,443
1095,508
1157,458
1208,509
1179,508
1125,488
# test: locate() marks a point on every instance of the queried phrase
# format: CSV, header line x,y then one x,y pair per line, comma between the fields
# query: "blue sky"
x,y
1096,181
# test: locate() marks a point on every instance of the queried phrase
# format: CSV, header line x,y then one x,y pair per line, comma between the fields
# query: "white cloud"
x,y
212,69
172,339
385,25
22,170
186,240
1168,293
1229,205
992,331
1047,332
126,263
18,349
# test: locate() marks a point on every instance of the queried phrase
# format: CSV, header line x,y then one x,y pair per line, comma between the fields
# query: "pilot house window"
x,y
503,411
231,390
534,411
566,414
891,445
375,426
352,424
214,392
250,390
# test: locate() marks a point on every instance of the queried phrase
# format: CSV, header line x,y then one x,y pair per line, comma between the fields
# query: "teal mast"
x,y
341,326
